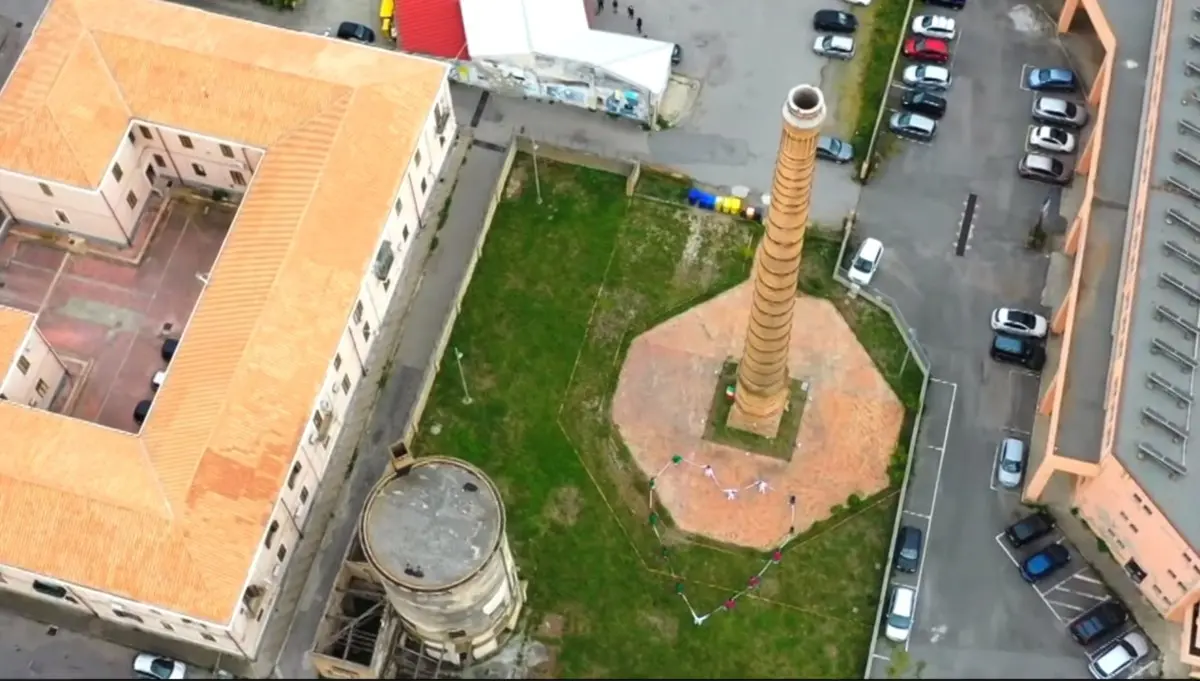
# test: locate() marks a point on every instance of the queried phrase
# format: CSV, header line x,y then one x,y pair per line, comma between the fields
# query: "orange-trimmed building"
x,y
185,527
1120,400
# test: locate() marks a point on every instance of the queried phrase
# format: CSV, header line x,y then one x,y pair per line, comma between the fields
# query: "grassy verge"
x,y
780,447
868,84
561,290
656,185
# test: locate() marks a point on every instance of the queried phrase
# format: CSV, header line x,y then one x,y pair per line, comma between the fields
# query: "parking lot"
x,y
954,217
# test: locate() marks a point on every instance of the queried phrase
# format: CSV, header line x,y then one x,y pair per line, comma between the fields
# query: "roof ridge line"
x,y
348,98
49,113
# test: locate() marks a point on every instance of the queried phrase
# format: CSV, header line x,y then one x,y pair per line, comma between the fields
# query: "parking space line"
x,y
1000,542
918,515
953,44
941,382
1068,606
1048,602
1025,69
1057,584
1016,431
1081,594
937,481
1028,134
885,658
1029,374
1089,580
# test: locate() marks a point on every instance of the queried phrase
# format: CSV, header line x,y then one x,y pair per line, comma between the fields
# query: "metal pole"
x,y
537,181
463,376
904,364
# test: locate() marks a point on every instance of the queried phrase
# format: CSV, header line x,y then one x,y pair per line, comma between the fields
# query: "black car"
x,y
1024,351
1098,622
1029,529
140,411
835,21
924,103
168,348
950,4
908,549
357,33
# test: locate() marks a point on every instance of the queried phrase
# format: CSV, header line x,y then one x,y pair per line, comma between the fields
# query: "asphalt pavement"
x,y
954,216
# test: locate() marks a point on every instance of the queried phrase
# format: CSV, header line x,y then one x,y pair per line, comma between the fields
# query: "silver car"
x,y
834,46
1010,462
933,26
927,77
1044,168
913,126
1051,139
1059,112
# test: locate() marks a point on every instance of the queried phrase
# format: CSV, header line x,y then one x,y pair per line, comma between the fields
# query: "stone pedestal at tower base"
x,y
764,414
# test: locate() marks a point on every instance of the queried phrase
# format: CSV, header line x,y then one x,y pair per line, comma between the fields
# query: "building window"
x,y
346,384
151,175
404,232
22,365
424,185
281,553
358,312
145,132
1135,571
160,161
294,475
337,362
186,142
1133,527
1137,498
1147,511
132,139
366,331
386,284
417,158
1172,574
399,205
51,590
1156,590
208,637
62,217
303,494
168,627
226,151
1187,557
1181,586
317,421
127,615
238,178
42,388
199,170
442,141
1123,516
131,199
45,189
117,173
272,530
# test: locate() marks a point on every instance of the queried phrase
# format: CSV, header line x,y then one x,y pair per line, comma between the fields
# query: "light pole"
x,y
537,181
463,376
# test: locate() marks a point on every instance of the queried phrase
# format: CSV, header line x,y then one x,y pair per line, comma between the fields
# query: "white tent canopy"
x,y
559,28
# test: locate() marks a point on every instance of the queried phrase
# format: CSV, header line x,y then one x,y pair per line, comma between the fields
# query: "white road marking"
x,y
1048,605
1025,69
885,658
937,481
1017,431
1087,579
941,382
1060,604
918,515
1058,583
935,448
1081,594
1000,541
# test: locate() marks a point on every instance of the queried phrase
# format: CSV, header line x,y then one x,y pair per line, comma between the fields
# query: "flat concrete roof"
x,y
434,525
1157,414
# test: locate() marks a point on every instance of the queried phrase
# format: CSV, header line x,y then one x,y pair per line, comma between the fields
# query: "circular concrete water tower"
x,y
434,531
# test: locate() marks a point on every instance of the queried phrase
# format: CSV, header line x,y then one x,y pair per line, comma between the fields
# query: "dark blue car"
x,y
1045,563
1052,80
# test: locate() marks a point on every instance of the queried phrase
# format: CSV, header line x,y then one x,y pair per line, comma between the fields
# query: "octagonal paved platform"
x,y
847,433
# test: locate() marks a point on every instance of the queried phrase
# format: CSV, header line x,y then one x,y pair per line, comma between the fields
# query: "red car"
x,y
927,49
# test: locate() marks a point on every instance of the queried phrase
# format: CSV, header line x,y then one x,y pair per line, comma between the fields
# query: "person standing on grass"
x,y
639,25
629,8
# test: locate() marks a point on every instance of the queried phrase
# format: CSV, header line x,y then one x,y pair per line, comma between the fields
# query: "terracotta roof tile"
x,y
175,515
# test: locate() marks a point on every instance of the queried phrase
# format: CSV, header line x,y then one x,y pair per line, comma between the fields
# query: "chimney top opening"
x,y
804,99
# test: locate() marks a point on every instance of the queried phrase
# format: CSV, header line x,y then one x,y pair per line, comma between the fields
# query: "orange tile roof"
x,y
174,516
14,326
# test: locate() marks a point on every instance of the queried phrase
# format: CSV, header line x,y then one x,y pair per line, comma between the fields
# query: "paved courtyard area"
x,y
107,312
847,432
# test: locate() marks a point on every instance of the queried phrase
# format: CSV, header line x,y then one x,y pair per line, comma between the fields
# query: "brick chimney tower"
x,y
763,383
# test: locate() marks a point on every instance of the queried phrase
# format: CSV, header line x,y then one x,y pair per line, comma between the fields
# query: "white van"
x,y
900,613
866,261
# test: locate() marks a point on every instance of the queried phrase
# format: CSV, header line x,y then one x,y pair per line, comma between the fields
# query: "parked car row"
x,y
835,40
927,79
1102,625
142,409
1057,122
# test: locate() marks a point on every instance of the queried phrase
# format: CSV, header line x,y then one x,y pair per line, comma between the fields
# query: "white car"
x,y
933,26
834,46
927,77
862,3
1010,462
1119,655
866,262
150,666
901,608
1051,139
1019,323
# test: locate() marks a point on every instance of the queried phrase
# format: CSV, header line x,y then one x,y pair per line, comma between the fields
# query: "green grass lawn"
x,y
561,290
